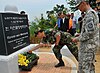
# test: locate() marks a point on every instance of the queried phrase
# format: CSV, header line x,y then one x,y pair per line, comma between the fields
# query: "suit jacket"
x,y
64,26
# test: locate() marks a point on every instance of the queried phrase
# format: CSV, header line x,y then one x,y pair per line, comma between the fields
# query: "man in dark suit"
x,y
64,22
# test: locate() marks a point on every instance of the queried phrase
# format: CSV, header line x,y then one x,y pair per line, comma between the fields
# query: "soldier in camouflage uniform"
x,y
51,36
88,38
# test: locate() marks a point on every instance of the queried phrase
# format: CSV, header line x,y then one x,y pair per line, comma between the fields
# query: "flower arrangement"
x,y
22,60
27,60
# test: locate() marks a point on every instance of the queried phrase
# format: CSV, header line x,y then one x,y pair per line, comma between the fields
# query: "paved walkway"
x,y
47,61
46,64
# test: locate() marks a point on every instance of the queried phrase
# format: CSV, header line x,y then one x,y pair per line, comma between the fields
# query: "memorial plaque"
x,y
14,32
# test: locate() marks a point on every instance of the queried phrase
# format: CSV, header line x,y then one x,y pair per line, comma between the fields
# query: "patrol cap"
x,y
36,32
78,2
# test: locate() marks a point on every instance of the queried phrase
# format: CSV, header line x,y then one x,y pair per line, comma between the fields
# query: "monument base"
x,y
9,64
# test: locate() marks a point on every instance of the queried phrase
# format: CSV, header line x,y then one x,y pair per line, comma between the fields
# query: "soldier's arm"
x,y
89,28
39,46
36,47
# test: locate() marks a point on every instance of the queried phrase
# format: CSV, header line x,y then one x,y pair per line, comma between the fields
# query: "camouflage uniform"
x,y
88,42
64,40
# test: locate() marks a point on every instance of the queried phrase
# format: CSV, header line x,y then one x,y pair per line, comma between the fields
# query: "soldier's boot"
x,y
95,60
60,64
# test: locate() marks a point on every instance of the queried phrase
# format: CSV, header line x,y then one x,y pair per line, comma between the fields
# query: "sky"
x,y
34,8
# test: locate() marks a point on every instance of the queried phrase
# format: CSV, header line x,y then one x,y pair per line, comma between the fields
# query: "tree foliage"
x,y
72,4
56,9
42,24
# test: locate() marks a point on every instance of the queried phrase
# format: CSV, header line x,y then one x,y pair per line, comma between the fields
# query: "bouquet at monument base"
x,y
27,60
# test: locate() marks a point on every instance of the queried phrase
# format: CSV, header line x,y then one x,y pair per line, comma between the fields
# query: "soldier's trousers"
x,y
86,61
56,50
58,54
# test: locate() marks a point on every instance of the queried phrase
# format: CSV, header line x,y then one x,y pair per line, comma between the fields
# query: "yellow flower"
x,y
27,61
19,61
20,56
24,57
25,64
22,60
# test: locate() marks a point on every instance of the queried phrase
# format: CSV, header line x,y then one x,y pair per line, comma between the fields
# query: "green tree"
x,y
72,4
56,9
41,24
33,26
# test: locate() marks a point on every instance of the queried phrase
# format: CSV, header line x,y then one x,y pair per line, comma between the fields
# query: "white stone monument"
x,y
9,64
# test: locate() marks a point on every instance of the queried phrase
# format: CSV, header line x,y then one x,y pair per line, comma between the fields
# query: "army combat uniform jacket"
x,y
88,42
65,39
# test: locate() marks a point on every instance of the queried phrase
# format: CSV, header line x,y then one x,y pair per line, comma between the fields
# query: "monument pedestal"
x,y
9,64
14,37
